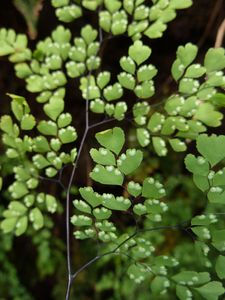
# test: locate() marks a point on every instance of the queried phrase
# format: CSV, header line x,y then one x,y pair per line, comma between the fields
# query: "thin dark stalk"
x,y
68,288
68,203
101,123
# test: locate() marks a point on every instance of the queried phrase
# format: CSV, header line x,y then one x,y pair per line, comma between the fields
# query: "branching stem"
x,y
115,250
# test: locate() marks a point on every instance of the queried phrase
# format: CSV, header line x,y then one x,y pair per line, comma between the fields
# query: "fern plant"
x,y
116,210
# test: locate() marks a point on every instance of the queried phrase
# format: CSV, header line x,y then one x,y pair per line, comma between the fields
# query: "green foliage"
x,y
128,204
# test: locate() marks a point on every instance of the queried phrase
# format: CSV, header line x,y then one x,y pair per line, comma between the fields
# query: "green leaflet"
x,y
198,166
67,134
113,92
18,225
145,90
47,128
89,88
137,272
19,106
126,80
155,30
142,249
7,126
141,12
18,189
159,285
204,220
103,156
68,13
215,60
155,122
129,162
140,209
140,110
127,64
208,115
143,137
152,189
159,145
134,188
27,122
36,217
54,108
120,110
139,53
195,71
146,72
154,208
64,120
59,3
97,106
212,148
115,203
89,34
188,86
105,226
51,203
93,198
107,237
41,144
186,54
107,175
177,145
85,234
183,292
186,277
211,290
92,5
204,178
102,213
112,139
82,206
103,79
81,220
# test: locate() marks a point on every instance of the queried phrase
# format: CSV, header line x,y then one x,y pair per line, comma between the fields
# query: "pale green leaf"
x,y
47,128
215,59
91,197
112,139
103,156
212,148
115,203
129,162
102,213
211,290
139,52
198,166
36,217
107,175
152,189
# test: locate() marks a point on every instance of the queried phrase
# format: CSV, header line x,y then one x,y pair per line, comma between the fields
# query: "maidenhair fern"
x,y
40,148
